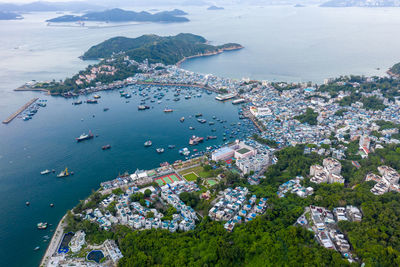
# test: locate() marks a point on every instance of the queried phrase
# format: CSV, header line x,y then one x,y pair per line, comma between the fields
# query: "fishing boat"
x,y
91,101
182,119
45,172
42,225
171,146
106,147
27,203
191,128
201,120
176,99
160,150
51,205
96,96
211,123
188,97
168,110
77,102
148,143
84,137
105,109
194,140
36,248
198,115
64,173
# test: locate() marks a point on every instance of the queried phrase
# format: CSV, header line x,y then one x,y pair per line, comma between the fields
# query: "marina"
x,y
20,110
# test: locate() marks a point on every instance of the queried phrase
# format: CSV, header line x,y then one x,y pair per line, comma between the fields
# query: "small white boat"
x,y
45,172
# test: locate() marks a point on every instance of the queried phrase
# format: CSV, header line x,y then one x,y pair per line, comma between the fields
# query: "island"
x,y
120,15
43,6
360,3
215,8
9,16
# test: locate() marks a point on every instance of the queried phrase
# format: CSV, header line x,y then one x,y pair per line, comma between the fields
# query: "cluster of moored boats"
x,y
33,109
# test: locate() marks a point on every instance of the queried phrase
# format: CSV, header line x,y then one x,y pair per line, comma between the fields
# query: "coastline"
x,y
219,51
56,238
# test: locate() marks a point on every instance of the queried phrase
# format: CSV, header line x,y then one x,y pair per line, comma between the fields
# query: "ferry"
x,y
42,225
182,119
45,172
194,140
106,147
84,137
91,101
148,143
168,110
64,173
77,102
160,150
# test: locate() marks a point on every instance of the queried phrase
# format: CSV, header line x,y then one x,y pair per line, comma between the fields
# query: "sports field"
x,y
190,176
167,179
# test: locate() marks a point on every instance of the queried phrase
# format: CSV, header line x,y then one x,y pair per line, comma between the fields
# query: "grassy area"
x,y
190,177
197,170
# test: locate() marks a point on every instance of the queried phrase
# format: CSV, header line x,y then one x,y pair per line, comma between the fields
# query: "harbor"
x,y
20,110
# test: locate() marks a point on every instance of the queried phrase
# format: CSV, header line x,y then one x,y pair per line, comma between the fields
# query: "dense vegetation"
x,y
157,49
120,15
310,117
395,69
268,142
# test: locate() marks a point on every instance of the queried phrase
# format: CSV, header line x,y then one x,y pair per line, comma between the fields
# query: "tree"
x,y
147,192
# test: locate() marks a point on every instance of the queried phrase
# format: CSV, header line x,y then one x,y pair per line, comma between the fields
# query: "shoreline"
x,y
55,240
219,51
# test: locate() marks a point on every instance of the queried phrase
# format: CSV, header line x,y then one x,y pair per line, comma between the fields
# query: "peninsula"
x,y
120,15
9,16
121,57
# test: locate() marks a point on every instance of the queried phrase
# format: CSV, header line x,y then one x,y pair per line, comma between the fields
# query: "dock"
x,y
20,110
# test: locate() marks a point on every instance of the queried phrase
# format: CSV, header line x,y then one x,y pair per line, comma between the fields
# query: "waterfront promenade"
x,y
55,241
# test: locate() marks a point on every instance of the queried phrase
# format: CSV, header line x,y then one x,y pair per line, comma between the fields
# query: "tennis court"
x,y
167,179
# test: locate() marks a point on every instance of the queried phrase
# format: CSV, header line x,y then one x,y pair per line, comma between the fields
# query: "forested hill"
x,y
157,49
395,70
120,15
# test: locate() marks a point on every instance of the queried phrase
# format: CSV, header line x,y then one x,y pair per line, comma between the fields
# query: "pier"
x,y
20,110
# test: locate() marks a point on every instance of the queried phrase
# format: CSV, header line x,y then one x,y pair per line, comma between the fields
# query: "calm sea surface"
x,y
281,43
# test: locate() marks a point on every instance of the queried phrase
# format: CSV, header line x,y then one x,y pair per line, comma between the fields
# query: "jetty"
x,y
20,110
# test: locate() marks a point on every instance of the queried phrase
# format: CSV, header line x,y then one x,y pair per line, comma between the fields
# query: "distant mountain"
x,y
48,7
215,8
157,49
120,15
395,70
175,12
9,16
362,3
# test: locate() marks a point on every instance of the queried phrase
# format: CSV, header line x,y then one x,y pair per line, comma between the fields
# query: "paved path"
x,y
55,241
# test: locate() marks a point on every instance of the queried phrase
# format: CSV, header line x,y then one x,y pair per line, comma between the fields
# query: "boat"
x,y
51,205
91,101
45,172
188,97
96,96
182,119
171,146
77,102
211,137
36,248
127,95
84,137
191,128
148,143
201,120
64,173
194,140
106,147
184,151
198,115
143,107
160,150
27,203
42,225
106,109
211,123
176,99
168,110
